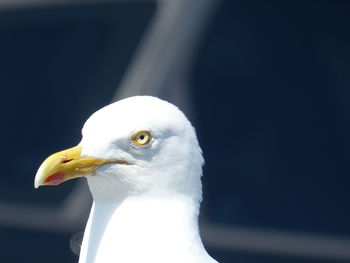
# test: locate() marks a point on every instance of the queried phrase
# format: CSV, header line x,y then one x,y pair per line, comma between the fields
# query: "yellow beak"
x,y
66,165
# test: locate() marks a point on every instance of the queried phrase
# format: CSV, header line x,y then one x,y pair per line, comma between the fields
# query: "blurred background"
x,y
265,83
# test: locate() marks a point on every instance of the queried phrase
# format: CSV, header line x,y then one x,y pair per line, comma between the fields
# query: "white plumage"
x,y
145,210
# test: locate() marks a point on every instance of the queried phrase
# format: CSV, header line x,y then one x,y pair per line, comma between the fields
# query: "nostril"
x,y
67,160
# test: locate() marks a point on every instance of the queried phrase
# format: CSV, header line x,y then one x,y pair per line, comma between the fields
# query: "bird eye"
x,y
141,138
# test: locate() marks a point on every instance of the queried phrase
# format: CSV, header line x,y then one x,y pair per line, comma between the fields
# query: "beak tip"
x,y
36,183
38,178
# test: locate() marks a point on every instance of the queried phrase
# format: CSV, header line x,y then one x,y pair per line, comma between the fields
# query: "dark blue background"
x,y
271,89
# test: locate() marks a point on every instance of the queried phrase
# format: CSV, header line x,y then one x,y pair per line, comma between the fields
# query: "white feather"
x,y
146,211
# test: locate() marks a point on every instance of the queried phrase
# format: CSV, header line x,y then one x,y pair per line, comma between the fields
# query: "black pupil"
x,y
142,137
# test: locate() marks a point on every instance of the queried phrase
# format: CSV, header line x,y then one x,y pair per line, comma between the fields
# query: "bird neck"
x,y
142,229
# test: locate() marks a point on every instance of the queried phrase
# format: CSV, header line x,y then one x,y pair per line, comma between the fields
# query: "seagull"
x,y
143,165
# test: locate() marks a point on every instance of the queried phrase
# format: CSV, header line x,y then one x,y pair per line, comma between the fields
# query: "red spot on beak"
x,y
55,179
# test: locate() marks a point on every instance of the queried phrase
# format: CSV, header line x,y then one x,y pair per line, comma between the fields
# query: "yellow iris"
x,y
141,138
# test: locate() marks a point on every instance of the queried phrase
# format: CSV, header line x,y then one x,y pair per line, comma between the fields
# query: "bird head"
x,y
139,145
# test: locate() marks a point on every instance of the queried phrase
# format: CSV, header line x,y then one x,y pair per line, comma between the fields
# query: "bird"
x,y
143,165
